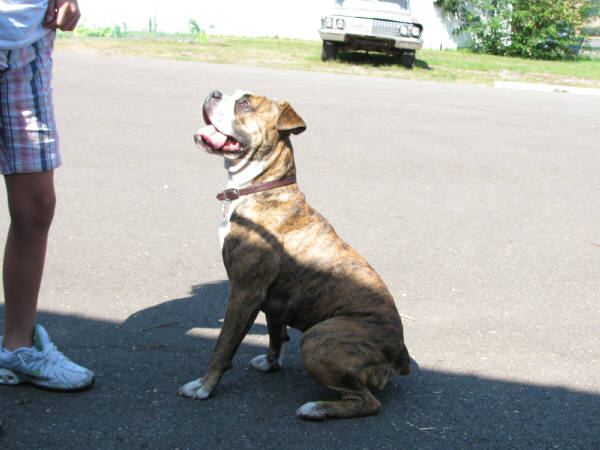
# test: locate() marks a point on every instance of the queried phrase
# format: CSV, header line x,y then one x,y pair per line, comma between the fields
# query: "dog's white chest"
x,y
225,227
238,177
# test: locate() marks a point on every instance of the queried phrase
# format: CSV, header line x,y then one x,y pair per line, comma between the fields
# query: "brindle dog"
x,y
283,258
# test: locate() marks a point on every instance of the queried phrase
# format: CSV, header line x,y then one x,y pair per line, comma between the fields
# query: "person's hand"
x,y
62,14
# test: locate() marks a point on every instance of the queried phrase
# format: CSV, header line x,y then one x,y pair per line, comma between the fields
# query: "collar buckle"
x,y
229,195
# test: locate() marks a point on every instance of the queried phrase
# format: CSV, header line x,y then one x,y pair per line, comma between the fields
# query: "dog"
x,y
283,258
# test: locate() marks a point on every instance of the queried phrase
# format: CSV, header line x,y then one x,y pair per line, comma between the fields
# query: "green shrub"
x,y
488,22
114,31
543,29
197,31
593,8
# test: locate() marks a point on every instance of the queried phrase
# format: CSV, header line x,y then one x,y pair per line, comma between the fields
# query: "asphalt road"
x,y
479,207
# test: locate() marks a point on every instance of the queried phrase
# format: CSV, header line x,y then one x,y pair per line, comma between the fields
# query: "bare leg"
x,y
31,201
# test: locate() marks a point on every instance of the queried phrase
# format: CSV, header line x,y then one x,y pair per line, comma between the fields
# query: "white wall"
x,y
437,26
283,18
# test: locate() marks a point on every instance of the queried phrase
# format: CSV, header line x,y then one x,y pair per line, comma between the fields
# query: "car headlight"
x,y
415,31
404,30
340,24
328,22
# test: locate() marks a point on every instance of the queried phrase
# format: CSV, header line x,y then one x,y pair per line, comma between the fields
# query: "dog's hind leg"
x,y
351,404
277,338
342,356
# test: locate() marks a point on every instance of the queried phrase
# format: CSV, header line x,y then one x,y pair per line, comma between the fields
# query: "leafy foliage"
x,y
116,31
197,31
544,29
593,9
451,6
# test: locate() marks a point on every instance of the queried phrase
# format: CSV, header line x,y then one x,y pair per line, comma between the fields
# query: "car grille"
x,y
386,28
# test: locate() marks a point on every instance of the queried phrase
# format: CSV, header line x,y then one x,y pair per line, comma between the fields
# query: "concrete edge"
x,y
546,88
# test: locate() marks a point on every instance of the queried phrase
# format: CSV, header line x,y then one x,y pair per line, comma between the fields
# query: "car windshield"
x,y
403,4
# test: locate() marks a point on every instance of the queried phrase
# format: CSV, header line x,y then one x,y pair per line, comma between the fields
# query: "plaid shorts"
x,y
28,136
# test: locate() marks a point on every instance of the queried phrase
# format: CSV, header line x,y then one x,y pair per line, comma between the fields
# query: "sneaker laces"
x,y
50,356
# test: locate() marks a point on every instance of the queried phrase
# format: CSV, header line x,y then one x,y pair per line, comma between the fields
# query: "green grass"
x,y
461,66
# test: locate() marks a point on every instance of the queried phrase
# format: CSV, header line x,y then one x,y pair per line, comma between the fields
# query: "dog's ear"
x,y
289,120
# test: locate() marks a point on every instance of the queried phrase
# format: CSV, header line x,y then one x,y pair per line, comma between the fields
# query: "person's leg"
x,y
31,201
28,155
27,355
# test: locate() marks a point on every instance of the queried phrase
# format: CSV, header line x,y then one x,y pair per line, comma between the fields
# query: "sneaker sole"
x,y
10,378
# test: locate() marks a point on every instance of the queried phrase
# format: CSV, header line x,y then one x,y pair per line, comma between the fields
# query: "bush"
x,y
488,22
544,29
197,31
593,8
451,6
114,31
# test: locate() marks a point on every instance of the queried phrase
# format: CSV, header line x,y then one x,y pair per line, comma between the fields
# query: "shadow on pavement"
x,y
379,60
141,362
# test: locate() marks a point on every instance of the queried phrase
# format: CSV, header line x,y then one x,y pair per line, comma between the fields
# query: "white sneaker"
x,y
42,365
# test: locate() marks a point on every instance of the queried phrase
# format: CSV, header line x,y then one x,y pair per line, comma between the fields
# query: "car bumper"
x,y
404,43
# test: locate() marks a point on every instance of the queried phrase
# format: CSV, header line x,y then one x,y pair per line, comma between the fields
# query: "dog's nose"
x,y
217,95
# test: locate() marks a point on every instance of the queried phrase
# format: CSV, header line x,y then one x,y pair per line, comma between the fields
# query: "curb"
x,y
546,88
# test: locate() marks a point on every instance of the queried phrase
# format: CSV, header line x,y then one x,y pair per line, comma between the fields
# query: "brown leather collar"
x,y
234,194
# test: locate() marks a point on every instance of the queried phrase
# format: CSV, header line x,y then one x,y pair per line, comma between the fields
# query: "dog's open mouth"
x,y
211,138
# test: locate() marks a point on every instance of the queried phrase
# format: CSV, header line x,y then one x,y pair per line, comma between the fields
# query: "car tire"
x,y
408,59
329,51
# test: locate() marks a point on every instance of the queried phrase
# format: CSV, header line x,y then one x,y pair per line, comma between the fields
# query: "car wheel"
x,y
329,50
408,59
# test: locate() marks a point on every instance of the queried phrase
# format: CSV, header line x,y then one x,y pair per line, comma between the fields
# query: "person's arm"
x,y
62,14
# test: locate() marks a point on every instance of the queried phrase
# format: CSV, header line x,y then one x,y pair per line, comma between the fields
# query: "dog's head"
x,y
245,126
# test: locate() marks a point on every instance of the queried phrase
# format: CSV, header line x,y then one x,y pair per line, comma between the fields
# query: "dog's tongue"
x,y
212,136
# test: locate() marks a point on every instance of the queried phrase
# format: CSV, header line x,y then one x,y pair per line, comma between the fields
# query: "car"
x,y
383,26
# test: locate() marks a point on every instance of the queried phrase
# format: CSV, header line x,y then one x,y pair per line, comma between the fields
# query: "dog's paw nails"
x,y
194,389
310,411
262,363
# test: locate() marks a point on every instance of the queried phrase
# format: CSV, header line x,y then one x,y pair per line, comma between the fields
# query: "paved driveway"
x,y
479,207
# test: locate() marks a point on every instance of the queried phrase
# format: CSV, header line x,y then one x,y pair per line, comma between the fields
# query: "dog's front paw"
x,y
195,390
261,362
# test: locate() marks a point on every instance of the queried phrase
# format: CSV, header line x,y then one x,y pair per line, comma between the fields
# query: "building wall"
x,y
283,18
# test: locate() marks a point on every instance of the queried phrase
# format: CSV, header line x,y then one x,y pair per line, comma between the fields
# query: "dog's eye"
x,y
243,105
